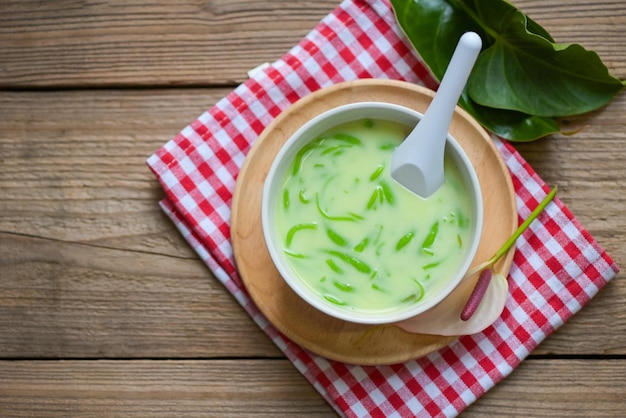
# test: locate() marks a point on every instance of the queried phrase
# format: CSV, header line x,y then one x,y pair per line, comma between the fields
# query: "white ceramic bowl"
x,y
271,189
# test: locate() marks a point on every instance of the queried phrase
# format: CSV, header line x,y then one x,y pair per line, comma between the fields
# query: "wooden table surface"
x,y
104,308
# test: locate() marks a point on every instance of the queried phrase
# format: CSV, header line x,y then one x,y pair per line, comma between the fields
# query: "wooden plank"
x,y
91,270
557,388
64,300
157,43
89,265
60,299
80,221
226,388
199,43
73,163
242,388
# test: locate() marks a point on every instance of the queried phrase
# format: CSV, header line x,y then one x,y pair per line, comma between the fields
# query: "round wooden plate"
x,y
324,335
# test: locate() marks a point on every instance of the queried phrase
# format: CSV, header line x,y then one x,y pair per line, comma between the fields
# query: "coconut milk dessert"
x,y
356,237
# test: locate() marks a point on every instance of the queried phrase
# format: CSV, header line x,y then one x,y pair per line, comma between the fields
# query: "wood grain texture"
x,y
200,43
70,300
191,388
557,388
88,261
96,279
73,162
273,388
188,42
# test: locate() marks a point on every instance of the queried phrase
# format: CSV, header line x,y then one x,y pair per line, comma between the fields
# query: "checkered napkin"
x,y
557,268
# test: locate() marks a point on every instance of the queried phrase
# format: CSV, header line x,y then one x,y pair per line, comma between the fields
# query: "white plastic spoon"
x,y
417,163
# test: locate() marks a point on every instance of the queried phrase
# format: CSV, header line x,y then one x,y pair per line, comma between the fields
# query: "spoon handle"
x,y
418,162
439,113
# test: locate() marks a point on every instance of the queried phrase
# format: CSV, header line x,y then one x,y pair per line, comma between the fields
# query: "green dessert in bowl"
x,y
350,240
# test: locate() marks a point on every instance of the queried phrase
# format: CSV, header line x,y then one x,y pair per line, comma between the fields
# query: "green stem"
x,y
483,281
509,243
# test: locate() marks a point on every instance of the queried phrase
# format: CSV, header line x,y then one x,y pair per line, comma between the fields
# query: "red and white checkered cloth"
x,y
558,267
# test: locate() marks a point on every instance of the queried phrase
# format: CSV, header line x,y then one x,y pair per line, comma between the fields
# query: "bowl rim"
x,y
307,132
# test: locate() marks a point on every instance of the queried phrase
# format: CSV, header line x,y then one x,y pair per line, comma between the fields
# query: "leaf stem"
x,y
511,241
485,269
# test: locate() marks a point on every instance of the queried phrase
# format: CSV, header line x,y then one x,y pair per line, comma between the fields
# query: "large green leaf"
x,y
522,79
525,72
510,124
434,28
